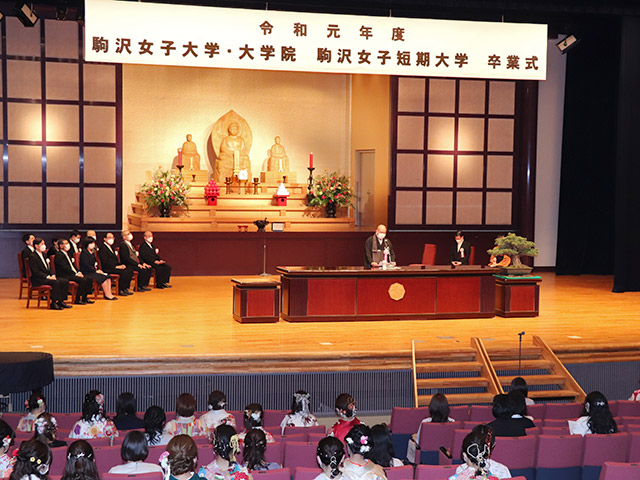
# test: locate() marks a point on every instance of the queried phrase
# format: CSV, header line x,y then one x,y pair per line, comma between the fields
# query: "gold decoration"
x,y
396,291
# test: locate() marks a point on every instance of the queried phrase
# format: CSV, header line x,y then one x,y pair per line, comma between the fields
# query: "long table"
x,y
404,293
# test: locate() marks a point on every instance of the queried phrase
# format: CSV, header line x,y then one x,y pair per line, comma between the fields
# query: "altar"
x,y
401,293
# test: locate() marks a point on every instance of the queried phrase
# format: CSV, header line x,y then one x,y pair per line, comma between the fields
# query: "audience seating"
x,y
602,448
299,454
106,457
273,453
518,453
537,411
432,437
460,413
273,418
138,476
434,472
625,408
481,414
41,291
404,423
559,457
12,419
620,471
305,431
399,473
316,437
634,447
304,473
456,448
565,411
279,474
555,430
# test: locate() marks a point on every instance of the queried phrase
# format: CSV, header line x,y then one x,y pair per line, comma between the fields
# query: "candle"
x,y
311,160
179,156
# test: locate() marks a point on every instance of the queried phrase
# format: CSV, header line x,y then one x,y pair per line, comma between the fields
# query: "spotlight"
x,y
26,13
567,43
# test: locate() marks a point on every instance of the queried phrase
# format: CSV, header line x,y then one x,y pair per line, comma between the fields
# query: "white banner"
x,y
180,35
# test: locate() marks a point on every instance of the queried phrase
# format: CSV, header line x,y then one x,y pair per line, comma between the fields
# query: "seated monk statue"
x,y
190,154
233,157
278,160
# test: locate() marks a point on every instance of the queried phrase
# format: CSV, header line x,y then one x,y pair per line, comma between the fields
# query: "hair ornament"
x,y
365,448
14,454
35,460
40,425
364,439
234,443
26,404
349,440
599,403
77,455
40,402
6,441
164,463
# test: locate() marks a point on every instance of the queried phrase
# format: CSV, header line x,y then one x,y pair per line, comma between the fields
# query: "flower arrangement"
x,y
332,188
212,189
165,189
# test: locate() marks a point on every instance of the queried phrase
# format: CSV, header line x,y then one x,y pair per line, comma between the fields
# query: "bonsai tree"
x,y
514,247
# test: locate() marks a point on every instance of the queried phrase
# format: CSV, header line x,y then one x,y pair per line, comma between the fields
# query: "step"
x,y
448,367
444,354
511,353
459,398
464,382
535,379
552,394
526,364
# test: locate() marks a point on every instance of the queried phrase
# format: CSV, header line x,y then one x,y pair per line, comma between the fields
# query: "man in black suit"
x,y
66,269
28,249
129,257
378,249
460,251
41,275
149,255
109,263
74,242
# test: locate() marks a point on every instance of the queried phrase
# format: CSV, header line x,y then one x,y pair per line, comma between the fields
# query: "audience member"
x,y
180,461
35,405
28,249
357,467
460,250
346,411
150,255
134,452
53,249
93,423
225,447
520,384
519,406
255,444
32,461
438,413
66,269
505,425
253,419
154,421
88,268
110,263
129,257
45,430
81,462
74,242
635,396
381,452
216,415
41,274
330,457
91,234
596,417
476,457
185,422
6,459
300,414
126,409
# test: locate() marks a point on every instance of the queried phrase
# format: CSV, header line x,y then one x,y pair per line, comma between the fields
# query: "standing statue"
x,y
190,154
278,160
231,140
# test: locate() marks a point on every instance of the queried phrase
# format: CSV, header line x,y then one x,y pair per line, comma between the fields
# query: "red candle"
x,y
179,156
311,160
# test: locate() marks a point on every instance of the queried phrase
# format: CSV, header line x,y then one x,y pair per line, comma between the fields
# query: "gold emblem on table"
x,y
396,291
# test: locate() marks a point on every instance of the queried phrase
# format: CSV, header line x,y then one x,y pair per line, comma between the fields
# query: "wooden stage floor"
x,y
189,328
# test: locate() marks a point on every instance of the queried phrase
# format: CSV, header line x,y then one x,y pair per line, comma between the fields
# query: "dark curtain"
x,y
586,240
627,222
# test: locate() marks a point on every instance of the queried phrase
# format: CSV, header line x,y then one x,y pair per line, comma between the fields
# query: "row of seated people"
x,y
91,266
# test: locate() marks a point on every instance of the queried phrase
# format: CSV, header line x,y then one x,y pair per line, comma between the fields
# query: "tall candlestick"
x,y
311,160
179,156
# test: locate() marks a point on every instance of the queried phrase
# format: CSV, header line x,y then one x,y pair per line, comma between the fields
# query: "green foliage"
x,y
514,247
165,188
332,188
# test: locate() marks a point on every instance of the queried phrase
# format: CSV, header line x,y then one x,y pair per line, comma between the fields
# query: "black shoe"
x,y
166,285
87,300
144,289
55,306
161,286
112,298
64,305
125,293
79,301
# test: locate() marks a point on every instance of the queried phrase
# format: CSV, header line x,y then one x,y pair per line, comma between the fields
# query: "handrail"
x,y
494,383
559,368
415,375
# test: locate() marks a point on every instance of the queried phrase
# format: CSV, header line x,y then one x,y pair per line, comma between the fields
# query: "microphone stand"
x,y
520,352
264,259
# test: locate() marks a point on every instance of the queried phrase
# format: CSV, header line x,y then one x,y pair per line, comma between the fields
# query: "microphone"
x,y
520,352
446,452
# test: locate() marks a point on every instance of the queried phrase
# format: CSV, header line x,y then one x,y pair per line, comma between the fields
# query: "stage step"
x,y
459,398
432,367
463,382
528,364
547,394
535,379
511,353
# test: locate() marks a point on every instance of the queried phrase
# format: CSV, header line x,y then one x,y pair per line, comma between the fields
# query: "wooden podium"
x,y
517,296
256,300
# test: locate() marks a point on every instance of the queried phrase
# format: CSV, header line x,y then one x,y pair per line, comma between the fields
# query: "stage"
x,y
190,329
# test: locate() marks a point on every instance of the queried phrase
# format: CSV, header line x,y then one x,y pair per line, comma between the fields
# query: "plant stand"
x,y
517,296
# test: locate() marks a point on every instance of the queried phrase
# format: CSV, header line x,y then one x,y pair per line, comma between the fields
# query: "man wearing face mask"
x,y
460,251
129,257
149,255
110,264
378,249
66,269
41,274
74,243
28,249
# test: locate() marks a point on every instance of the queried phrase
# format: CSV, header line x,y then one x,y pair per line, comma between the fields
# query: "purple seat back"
x,y
58,461
407,420
626,420
605,448
12,419
620,471
537,411
107,457
634,447
517,452
559,451
139,476
627,408
205,454
274,452
555,430
434,472
399,473
66,421
278,474
315,437
273,418
469,425
460,413
456,447
481,413
304,473
436,435
288,431
300,454
563,410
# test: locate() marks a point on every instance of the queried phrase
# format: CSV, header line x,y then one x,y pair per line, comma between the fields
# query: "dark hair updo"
x,y
253,416
154,420
224,443
255,443
439,408
331,453
600,420
81,462
343,405
183,454
35,401
7,435
477,447
34,458
217,400
358,440
185,405
45,428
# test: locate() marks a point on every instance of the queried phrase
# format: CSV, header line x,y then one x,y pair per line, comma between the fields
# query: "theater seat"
x,y
559,457
428,255
620,471
278,474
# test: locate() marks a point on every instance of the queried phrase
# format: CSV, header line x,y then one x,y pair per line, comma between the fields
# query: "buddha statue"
x,y
233,154
278,159
190,155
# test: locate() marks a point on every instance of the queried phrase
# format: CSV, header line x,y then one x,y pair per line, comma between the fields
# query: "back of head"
x,y
517,402
519,384
185,405
255,443
81,462
300,402
381,452
600,420
154,420
358,440
126,404
253,416
34,458
45,428
183,454
346,405
225,442
439,408
330,452
36,400
477,446
217,400
7,435
502,406
134,447
93,405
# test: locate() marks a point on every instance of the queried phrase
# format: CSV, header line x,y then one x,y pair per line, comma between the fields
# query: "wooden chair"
x,y
115,278
73,286
41,291
472,256
135,273
24,281
428,255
